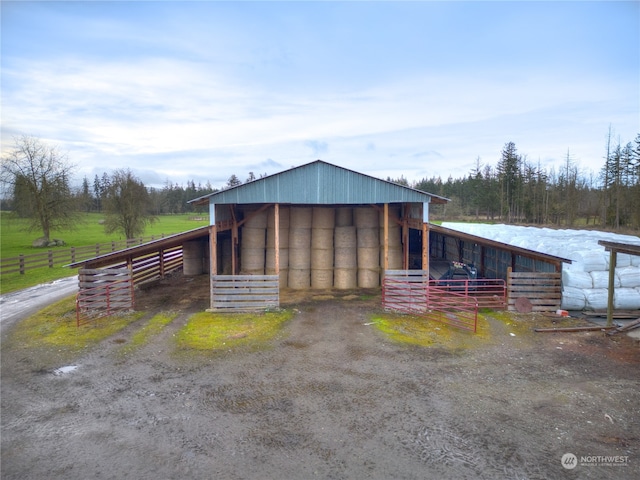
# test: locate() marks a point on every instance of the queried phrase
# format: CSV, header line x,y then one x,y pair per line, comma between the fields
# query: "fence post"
x,y
50,258
73,254
508,288
21,264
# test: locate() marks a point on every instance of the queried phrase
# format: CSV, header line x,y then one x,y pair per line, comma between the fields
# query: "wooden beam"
x,y
425,246
385,217
276,233
613,258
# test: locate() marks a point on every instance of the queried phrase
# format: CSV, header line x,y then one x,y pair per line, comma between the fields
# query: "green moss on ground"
x,y
425,332
54,329
208,331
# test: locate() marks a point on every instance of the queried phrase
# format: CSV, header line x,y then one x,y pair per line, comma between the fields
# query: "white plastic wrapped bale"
x,y
576,279
601,279
626,299
629,277
573,298
591,260
596,298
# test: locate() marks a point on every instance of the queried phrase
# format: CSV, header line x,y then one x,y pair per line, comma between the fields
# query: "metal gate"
x,y
452,302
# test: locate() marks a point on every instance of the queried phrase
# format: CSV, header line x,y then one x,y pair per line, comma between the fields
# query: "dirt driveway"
x,y
332,398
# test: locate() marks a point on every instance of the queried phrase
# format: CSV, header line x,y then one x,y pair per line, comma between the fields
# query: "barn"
x,y
320,226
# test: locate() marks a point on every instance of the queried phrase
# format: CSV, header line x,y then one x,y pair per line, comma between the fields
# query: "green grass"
x,y
53,331
210,332
422,332
15,241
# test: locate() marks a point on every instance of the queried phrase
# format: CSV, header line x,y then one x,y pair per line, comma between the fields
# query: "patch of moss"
x,y
426,332
55,326
213,331
153,327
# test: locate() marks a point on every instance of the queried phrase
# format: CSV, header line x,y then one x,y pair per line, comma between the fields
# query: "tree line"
x,y
515,190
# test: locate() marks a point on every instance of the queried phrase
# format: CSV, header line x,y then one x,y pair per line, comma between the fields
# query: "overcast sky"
x,y
201,90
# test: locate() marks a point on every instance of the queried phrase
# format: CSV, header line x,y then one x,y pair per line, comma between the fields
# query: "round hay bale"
x,y
365,217
300,238
252,260
395,258
345,258
345,278
322,238
253,237
395,236
300,258
321,278
192,258
254,218
284,217
226,263
368,278
344,217
270,262
367,237
299,278
300,217
368,257
344,237
283,237
321,259
323,217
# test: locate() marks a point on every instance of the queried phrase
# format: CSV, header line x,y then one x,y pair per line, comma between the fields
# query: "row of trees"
x,y
515,190
38,176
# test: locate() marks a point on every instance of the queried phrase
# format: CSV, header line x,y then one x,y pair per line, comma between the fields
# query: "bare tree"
x,y
39,177
127,205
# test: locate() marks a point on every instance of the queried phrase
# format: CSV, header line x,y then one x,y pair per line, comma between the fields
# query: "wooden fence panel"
x,y
240,293
543,290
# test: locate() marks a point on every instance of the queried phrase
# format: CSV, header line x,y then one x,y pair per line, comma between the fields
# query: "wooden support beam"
x,y
425,246
613,258
276,233
385,217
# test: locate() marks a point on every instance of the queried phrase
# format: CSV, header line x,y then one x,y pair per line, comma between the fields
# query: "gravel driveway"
x,y
332,398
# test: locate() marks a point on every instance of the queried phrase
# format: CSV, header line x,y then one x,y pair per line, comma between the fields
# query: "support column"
x,y
213,250
385,217
276,236
425,236
613,258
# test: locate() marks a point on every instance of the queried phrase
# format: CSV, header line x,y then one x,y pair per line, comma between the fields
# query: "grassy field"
x,y
15,241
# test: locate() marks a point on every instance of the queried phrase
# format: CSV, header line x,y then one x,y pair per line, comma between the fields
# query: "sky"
x,y
202,90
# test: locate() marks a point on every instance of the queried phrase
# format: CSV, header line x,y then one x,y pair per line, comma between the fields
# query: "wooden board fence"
x,y
543,290
241,293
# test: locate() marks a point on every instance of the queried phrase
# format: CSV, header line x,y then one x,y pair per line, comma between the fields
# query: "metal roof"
x,y
319,183
499,245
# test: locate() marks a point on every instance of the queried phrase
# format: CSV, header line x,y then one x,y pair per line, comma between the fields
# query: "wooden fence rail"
x,y
542,290
240,293
58,257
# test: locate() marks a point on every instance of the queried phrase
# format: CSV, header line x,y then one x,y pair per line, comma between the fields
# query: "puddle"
x,y
63,370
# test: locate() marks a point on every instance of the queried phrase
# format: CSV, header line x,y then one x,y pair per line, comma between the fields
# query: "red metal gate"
x,y
452,304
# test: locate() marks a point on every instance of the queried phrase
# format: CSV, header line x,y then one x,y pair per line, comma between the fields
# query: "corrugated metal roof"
x,y
319,183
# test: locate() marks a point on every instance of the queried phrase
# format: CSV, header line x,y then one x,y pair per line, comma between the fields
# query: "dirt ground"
x,y
331,398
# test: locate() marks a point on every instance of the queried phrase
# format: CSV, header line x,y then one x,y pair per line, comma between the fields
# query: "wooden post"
x,y
425,236
385,217
405,238
276,234
613,258
161,263
425,246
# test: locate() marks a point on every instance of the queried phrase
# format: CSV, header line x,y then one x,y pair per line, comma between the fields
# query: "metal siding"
x,y
319,183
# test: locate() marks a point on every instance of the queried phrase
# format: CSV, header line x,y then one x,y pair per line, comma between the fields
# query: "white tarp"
x,y
589,271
